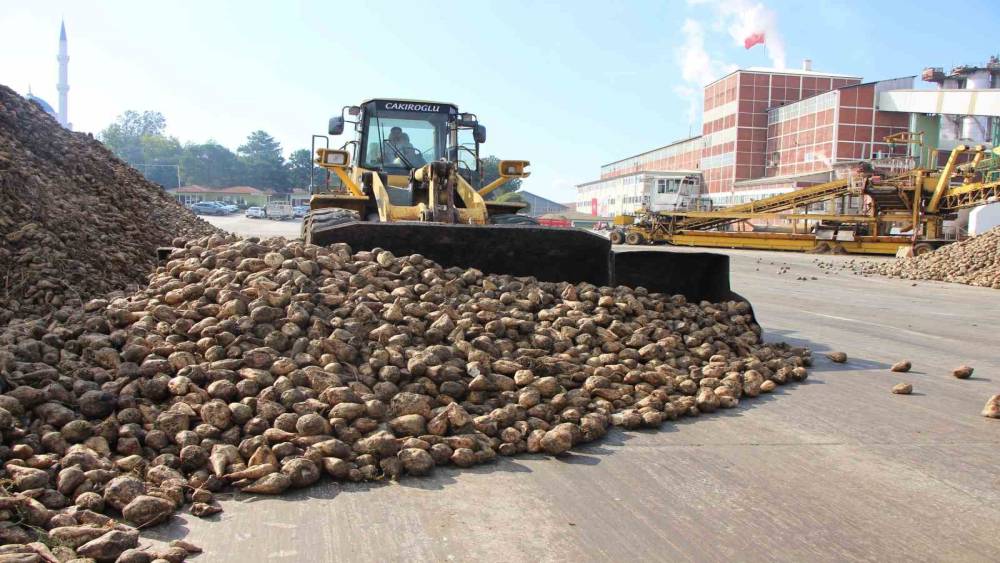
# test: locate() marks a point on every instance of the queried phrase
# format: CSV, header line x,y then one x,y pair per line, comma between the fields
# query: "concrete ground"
x,y
241,225
833,469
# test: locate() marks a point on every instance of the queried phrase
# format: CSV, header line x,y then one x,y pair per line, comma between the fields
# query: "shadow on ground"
x,y
820,362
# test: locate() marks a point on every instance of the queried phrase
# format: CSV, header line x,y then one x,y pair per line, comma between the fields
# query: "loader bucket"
x,y
696,275
546,253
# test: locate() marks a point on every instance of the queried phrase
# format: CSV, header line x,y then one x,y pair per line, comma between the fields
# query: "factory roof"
x,y
652,150
789,71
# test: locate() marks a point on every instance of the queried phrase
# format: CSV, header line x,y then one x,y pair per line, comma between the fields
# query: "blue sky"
x,y
568,85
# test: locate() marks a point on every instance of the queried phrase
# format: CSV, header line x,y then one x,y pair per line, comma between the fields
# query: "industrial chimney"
x,y
807,64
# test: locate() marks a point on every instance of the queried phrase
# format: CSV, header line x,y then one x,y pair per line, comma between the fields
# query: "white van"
x,y
279,211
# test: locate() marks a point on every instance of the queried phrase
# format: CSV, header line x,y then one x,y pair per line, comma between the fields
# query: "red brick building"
x,y
768,131
843,124
734,129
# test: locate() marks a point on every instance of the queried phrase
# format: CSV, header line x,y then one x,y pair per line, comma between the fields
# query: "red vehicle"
x,y
555,222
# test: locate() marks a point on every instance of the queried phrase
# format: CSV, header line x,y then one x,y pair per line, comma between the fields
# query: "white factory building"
x,y
625,194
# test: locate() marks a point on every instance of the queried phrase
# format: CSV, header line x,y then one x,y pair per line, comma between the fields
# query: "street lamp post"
x,y
176,168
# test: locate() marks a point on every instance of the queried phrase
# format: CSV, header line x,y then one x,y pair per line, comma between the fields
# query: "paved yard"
x,y
833,469
256,227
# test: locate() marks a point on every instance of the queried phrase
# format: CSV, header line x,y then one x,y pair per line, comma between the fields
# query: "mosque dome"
x,y
41,103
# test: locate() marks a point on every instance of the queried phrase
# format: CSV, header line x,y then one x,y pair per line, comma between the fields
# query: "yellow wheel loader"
x,y
410,182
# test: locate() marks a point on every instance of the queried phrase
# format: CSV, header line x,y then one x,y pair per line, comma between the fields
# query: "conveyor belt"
x,y
783,202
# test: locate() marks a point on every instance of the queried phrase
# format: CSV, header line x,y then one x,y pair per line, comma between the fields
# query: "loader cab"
x,y
396,136
675,192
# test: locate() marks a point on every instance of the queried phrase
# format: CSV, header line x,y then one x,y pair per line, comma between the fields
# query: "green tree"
x,y
265,167
124,136
300,170
160,159
511,197
140,139
210,164
490,166
132,125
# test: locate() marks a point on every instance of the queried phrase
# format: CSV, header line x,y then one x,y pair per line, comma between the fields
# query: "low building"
x,y
300,197
295,197
244,196
680,155
624,194
539,205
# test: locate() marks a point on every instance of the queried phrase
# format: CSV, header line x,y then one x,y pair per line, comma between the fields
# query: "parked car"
x,y
256,213
207,208
227,208
300,210
279,211
221,210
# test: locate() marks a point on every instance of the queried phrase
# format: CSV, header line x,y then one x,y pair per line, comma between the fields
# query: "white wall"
x,y
615,196
622,195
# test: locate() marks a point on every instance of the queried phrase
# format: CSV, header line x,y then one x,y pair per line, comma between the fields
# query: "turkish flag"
x,y
753,39
593,206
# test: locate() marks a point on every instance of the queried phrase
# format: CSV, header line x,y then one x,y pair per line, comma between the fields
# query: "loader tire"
x,y
922,248
617,237
634,238
318,220
512,219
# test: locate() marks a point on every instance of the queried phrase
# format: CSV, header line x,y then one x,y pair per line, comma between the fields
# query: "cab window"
x,y
404,139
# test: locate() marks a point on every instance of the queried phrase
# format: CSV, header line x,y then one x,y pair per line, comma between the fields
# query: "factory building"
x,y
681,155
843,124
768,131
967,129
538,205
734,129
805,140
624,194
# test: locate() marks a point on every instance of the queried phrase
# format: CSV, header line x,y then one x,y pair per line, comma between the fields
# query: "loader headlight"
x,y
336,158
332,157
514,168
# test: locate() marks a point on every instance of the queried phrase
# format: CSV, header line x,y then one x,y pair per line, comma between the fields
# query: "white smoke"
x,y
743,18
740,19
698,68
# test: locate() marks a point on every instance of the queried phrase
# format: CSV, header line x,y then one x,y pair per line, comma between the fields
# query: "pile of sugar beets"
x,y
974,261
75,222
261,366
